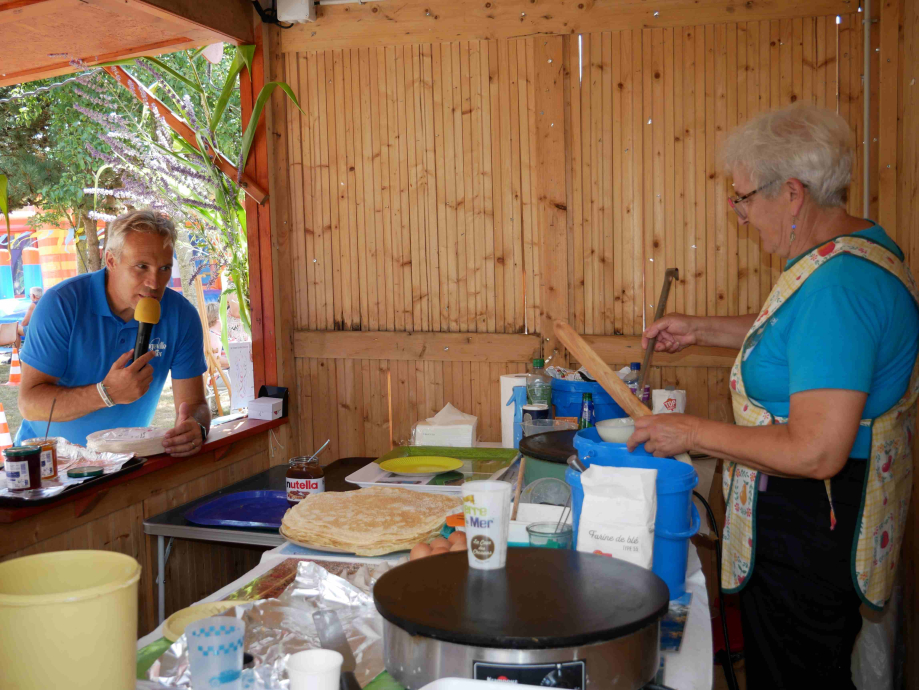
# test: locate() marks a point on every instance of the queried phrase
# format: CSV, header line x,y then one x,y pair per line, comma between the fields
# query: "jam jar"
x,y
23,468
304,477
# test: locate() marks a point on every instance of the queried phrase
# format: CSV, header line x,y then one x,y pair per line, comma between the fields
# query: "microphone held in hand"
x,y
147,315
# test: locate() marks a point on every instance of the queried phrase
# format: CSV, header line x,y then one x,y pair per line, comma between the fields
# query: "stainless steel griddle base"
x,y
626,663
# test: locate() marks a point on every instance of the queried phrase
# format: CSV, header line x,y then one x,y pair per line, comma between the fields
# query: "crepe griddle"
x,y
551,446
549,611
595,598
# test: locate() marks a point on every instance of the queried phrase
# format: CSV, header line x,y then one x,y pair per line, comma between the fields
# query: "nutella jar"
x,y
304,477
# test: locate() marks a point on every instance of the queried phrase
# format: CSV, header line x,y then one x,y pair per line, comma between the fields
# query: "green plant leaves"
x,y
175,73
257,109
239,61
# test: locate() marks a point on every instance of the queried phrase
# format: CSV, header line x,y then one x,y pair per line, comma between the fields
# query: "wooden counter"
x,y
110,516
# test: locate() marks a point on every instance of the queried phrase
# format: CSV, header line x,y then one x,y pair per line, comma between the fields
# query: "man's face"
x,y
35,298
143,269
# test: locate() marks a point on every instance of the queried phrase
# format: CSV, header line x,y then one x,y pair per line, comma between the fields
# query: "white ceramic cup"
x,y
487,510
215,652
314,669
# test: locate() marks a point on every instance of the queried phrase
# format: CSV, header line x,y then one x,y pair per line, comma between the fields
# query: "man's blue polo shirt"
x,y
74,336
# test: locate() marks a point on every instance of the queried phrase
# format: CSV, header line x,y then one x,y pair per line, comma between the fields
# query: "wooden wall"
x,y
422,179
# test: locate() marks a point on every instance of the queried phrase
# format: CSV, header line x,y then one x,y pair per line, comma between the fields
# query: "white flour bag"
x,y
617,516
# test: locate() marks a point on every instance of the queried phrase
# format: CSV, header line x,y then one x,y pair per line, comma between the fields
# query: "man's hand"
x,y
184,438
126,384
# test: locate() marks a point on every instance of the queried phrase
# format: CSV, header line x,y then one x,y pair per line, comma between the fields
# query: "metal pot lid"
x,y
551,446
544,598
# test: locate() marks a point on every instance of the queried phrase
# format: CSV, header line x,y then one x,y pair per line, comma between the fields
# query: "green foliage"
x,y
5,204
43,151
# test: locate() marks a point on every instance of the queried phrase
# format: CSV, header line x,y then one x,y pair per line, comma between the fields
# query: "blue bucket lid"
x,y
672,475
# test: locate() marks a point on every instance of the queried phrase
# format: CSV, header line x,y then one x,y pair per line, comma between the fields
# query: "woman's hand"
x,y
674,332
665,435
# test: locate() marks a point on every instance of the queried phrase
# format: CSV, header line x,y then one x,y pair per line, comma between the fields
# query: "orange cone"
x,y
5,439
15,371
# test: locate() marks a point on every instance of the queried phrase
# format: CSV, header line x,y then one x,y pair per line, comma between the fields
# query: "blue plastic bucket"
x,y
567,397
677,518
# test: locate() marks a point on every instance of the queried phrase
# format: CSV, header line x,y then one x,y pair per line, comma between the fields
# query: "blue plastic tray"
x,y
261,509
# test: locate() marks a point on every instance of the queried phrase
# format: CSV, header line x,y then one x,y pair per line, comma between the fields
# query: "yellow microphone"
x,y
147,315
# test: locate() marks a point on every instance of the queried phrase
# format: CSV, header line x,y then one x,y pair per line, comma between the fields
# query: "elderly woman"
x,y
817,469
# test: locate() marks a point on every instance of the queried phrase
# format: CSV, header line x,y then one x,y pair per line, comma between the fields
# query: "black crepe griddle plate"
x,y
551,446
544,598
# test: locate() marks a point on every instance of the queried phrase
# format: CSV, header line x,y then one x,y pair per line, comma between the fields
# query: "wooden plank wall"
x,y
414,203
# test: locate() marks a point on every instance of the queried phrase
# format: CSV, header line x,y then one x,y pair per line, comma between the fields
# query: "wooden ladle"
x,y
605,376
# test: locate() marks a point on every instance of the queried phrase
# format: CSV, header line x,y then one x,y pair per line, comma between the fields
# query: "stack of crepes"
x,y
368,522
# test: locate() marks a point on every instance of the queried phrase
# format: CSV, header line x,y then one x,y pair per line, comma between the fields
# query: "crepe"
x,y
140,440
368,522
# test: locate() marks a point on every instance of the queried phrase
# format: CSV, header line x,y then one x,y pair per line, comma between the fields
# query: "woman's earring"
x,y
793,226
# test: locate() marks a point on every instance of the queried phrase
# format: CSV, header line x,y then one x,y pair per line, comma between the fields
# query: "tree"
x,y
43,139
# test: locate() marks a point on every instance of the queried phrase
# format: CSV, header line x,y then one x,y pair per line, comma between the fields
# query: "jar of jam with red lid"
x,y
304,477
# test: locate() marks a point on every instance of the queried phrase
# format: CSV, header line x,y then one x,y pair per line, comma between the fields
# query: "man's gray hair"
x,y
811,144
145,220
36,292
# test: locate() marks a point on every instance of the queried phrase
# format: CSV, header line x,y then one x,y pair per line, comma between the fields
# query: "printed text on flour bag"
x,y
299,488
617,515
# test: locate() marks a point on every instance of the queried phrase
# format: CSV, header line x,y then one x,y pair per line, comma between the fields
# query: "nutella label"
x,y
300,487
17,474
47,464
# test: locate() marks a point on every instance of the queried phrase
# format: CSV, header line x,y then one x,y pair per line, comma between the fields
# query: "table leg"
x,y
161,576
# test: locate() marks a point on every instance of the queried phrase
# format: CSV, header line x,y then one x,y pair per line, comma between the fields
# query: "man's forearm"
x,y
724,331
71,403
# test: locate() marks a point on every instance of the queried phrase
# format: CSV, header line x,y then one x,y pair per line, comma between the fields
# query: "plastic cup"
x,y
487,510
215,652
541,426
314,669
544,535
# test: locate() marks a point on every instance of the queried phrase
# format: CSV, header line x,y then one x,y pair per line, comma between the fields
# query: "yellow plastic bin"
x,y
68,619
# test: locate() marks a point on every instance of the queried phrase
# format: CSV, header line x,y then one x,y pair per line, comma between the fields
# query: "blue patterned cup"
x,y
215,652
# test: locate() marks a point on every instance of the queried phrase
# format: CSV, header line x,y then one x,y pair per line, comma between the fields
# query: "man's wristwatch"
x,y
203,432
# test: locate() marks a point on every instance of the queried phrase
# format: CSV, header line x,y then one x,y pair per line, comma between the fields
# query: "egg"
x,y
457,536
458,546
439,550
440,543
419,551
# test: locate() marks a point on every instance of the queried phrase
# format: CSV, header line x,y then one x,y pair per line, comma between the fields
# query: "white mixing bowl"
x,y
616,430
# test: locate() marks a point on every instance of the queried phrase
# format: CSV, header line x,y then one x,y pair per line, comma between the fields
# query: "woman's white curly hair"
x,y
812,144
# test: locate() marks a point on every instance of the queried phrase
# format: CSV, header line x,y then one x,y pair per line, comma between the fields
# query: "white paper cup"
x,y
215,652
487,509
314,669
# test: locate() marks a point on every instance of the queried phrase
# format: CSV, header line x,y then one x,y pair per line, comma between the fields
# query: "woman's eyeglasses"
x,y
736,201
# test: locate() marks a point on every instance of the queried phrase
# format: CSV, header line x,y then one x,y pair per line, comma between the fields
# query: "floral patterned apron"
x,y
888,479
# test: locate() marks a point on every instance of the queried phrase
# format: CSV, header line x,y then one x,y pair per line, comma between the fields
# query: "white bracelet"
x,y
104,395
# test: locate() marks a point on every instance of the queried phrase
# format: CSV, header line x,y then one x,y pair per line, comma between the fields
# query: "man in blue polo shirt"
x,y
81,342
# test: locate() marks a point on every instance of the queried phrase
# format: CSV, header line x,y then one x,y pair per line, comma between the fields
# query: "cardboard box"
x,y
265,408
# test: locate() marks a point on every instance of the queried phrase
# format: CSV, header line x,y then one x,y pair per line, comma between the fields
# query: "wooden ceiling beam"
x,y
224,21
28,10
395,22
64,67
